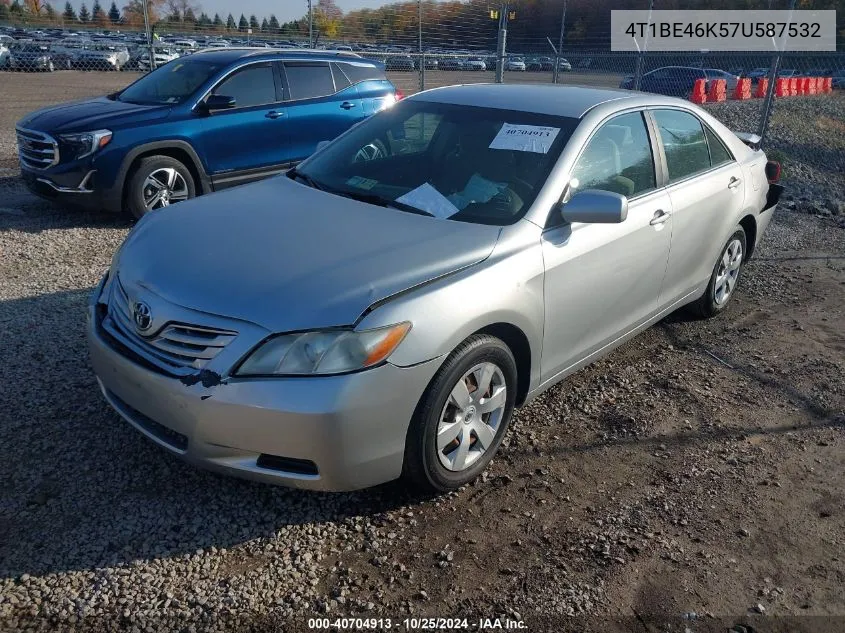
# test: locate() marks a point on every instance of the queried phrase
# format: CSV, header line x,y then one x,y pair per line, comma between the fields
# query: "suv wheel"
x,y
462,416
157,182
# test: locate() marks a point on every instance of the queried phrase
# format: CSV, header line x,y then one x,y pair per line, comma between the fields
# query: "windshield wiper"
x,y
308,180
380,201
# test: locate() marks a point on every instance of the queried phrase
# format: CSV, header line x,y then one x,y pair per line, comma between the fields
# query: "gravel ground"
x,y
691,480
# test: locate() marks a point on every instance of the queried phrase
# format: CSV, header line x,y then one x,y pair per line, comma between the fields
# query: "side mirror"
x,y
592,206
322,144
219,102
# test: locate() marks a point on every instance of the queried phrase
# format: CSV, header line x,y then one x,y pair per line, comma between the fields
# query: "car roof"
x,y
233,54
568,101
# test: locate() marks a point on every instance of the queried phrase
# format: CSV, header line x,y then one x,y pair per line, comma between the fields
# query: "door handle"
x,y
347,105
734,182
274,114
660,216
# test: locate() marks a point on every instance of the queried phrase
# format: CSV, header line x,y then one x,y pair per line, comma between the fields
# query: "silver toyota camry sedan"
x,y
380,310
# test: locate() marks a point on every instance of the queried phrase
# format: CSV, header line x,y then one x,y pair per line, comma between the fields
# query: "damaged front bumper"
x,y
322,433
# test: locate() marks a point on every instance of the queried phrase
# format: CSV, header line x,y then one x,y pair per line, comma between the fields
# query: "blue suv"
x,y
198,124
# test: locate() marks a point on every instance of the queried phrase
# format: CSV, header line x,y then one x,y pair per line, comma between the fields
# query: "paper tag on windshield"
x,y
427,198
525,138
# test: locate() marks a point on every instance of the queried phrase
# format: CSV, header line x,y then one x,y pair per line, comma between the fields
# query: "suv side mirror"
x,y
219,102
592,206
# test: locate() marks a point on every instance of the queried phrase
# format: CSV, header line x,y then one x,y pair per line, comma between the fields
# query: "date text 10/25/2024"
x,y
417,624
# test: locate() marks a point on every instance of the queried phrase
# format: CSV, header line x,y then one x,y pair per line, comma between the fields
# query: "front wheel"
x,y
462,416
725,277
158,182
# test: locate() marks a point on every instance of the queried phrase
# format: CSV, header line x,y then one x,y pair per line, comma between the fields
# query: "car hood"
x,y
288,257
91,114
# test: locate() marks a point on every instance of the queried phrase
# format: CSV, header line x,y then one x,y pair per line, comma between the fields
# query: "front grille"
x,y
176,346
287,464
167,435
37,150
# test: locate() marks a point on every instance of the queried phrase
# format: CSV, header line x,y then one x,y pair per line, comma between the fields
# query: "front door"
x,y
602,280
248,140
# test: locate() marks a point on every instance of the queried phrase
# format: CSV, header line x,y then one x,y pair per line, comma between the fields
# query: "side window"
x,y
684,143
341,81
360,72
308,80
719,154
617,158
414,134
251,86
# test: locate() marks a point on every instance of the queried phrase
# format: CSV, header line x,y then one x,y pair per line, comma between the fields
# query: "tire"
x,y
155,174
425,466
714,300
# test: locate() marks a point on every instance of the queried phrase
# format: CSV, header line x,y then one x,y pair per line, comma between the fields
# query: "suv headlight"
x,y
84,144
323,352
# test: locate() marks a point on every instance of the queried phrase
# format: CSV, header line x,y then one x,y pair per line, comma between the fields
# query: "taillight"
x,y
399,95
773,171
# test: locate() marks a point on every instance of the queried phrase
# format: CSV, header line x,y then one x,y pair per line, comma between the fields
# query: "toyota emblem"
x,y
143,316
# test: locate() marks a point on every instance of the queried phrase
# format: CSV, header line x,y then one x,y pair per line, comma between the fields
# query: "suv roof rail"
x,y
257,50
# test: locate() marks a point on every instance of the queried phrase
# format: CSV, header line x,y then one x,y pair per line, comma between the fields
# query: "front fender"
x,y
505,288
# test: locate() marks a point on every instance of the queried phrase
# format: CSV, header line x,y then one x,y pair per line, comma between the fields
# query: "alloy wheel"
x,y
471,417
728,272
164,187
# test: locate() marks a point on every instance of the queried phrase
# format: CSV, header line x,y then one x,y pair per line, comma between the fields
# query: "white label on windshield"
x,y
427,198
525,138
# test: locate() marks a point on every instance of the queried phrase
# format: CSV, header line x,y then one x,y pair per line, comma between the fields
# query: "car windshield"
x,y
463,163
171,83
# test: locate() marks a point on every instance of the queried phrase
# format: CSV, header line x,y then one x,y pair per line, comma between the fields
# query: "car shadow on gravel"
x,y
83,490
23,211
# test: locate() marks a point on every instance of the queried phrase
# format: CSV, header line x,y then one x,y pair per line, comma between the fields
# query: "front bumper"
x,y
76,185
321,433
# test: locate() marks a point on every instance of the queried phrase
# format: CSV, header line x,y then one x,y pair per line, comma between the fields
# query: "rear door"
x,y
321,103
375,91
707,193
246,142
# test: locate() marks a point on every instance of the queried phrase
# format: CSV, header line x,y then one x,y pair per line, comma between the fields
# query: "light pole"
x,y
560,43
422,55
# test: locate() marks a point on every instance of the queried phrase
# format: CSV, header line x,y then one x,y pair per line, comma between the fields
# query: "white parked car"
x,y
515,64
475,63
4,55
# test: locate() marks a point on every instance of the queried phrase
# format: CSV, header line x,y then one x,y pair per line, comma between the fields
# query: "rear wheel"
x,y
462,417
725,277
158,182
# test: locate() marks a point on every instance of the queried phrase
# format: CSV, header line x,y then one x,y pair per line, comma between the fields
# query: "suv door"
x,y
707,194
374,90
246,142
604,280
320,103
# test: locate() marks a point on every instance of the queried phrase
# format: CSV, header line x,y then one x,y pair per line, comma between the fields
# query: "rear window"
x,y
360,72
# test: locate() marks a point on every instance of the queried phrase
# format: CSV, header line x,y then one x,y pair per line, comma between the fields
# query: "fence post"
x,y
767,102
149,35
502,44
422,54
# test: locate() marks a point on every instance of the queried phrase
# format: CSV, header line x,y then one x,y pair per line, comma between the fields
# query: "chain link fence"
x,y
419,47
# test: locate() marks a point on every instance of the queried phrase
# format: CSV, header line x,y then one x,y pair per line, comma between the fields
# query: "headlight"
x,y
85,143
323,352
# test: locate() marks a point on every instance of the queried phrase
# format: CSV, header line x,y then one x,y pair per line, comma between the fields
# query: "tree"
x,y
69,14
265,26
114,13
4,12
243,25
217,22
98,16
133,12
230,23
84,15
327,18
274,24
253,23
189,18
50,12
35,7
